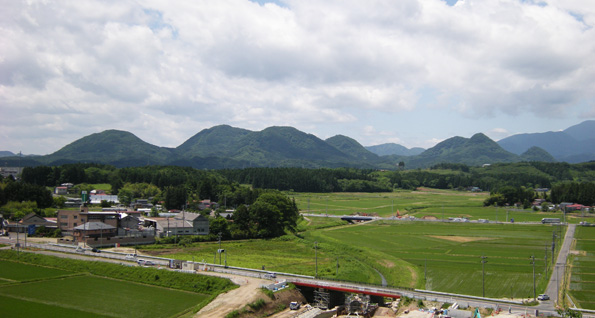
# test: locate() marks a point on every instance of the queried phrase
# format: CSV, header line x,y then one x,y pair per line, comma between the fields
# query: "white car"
x,y
130,257
543,297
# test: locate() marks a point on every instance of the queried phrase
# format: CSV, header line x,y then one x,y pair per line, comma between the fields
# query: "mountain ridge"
x,y
224,146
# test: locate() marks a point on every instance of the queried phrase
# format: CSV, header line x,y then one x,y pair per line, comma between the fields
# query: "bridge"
x,y
350,218
343,287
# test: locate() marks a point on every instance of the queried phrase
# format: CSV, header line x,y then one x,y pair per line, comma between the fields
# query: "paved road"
x,y
554,284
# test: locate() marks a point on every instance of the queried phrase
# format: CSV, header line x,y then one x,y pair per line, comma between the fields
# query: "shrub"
x,y
233,314
257,304
420,303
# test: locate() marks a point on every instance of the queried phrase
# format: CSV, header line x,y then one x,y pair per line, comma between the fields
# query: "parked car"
x,y
294,305
270,275
130,257
543,297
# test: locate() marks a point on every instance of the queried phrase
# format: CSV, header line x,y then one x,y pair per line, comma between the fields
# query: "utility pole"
x,y
483,275
316,257
219,235
533,262
546,261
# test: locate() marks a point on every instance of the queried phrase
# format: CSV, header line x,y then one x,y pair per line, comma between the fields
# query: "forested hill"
x,y
226,147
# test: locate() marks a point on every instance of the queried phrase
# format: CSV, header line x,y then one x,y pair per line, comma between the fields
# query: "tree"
x,y
59,201
175,197
267,219
287,208
219,225
401,165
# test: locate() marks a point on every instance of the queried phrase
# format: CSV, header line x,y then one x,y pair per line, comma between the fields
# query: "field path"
x,y
553,285
236,299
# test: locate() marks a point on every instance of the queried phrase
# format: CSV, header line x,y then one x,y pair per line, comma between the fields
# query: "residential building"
x,y
182,224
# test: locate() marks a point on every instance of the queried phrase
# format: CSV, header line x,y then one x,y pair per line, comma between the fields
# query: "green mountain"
x,y
537,154
394,149
220,140
474,151
287,146
352,148
228,147
116,147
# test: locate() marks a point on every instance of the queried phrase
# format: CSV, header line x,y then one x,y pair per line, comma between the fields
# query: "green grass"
x,y
440,204
452,252
88,289
582,279
14,307
12,271
109,297
448,253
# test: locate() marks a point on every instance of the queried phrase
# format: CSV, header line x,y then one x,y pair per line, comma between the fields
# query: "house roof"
x,y
90,226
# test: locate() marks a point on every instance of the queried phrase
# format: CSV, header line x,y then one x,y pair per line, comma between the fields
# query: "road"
x,y
553,285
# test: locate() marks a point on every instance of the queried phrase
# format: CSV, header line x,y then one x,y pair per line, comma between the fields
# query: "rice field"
x,y
582,273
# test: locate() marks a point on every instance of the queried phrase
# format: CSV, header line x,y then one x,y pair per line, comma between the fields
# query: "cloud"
x,y
86,66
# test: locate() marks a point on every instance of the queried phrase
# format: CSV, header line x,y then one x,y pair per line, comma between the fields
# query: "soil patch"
x,y
386,263
461,239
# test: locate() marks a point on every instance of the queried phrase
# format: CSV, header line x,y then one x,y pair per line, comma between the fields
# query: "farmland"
x,y
439,204
582,279
78,292
403,251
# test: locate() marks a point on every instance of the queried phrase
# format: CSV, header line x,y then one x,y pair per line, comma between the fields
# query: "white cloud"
x,y
85,66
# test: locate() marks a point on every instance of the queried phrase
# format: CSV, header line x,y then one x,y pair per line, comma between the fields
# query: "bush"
x,y
420,304
268,292
257,304
233,314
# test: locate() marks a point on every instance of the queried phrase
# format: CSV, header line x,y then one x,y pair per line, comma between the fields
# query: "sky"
x,y
412,72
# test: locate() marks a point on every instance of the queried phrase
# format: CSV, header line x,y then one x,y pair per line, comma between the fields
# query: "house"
x,y
95,231
61,190
182,224
97,198
69,219
70,202
29,223
129,221
34,219
574,207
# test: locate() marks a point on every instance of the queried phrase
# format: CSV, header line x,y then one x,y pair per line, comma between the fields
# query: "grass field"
x,y
403,252
449,254
39,286
101,297
582,279
19,272
440,204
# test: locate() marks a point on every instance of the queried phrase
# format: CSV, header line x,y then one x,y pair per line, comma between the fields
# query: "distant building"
x,y
5,172
181,224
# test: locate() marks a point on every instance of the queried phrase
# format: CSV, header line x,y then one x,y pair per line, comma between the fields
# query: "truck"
x,y
550,220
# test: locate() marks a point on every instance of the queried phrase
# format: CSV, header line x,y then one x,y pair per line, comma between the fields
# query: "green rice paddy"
x,y
582,279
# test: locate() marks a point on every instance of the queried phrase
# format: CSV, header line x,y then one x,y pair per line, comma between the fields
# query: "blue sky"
x,y
412,72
